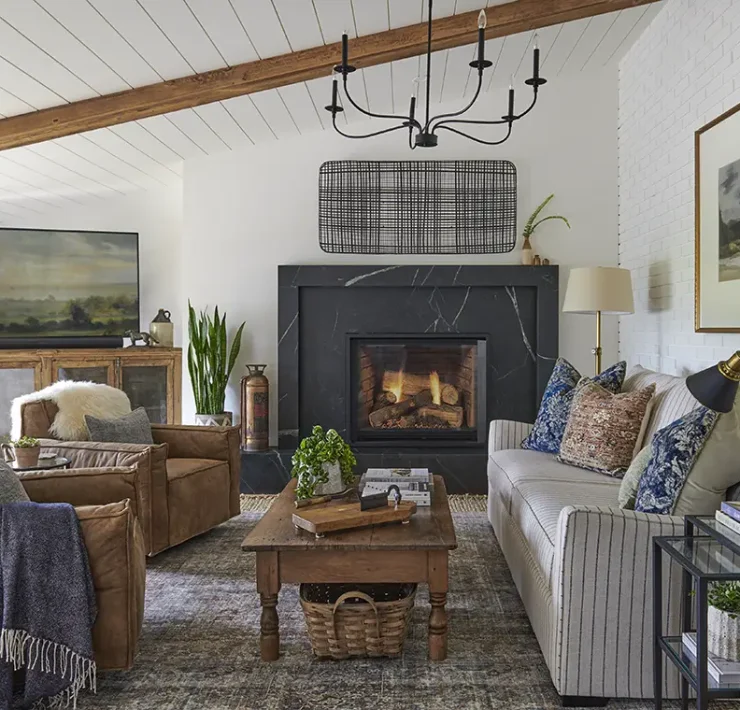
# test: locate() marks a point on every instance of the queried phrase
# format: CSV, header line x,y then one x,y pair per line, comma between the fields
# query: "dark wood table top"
x,y
430,528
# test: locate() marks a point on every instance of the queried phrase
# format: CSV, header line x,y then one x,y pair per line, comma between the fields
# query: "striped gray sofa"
x,y
581,564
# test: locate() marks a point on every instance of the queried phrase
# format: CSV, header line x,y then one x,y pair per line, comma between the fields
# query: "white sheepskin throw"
x,y
75,400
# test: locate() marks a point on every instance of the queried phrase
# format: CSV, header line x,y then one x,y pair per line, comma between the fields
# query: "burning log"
x,y
410,384
392,411
453,416
423,398
384,399
450,394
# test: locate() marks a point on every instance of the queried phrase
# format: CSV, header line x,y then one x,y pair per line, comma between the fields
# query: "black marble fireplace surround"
x,y
512,309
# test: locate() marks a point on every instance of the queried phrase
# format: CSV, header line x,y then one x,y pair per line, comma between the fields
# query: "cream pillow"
x,y
631,480
716,469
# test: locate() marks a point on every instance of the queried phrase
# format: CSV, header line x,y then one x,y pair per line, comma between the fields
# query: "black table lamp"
x,y
716,387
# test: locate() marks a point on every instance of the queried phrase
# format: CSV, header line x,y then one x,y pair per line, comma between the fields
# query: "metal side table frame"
x,y
707,553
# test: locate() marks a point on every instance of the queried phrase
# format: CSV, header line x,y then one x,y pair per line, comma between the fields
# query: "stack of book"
x,y
720,670
415,484
729,515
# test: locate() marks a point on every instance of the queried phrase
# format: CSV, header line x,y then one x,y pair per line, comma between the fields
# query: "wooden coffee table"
x,y
416,552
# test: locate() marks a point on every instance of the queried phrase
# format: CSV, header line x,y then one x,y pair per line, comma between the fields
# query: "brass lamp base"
x,y
731,368
597,350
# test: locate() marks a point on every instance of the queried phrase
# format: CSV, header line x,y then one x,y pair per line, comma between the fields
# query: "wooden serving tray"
x,y
332,517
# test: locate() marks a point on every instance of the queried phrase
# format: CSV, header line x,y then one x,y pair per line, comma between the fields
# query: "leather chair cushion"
x,y
198,496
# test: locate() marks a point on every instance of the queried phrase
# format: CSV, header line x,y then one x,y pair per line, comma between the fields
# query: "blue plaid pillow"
x,y
549,427
675,449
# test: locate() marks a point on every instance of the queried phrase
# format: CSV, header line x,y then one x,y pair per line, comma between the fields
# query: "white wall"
x,y
156,214
247,212
682,72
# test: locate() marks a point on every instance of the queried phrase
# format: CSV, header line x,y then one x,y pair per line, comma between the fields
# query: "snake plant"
x,y
208,363
533,222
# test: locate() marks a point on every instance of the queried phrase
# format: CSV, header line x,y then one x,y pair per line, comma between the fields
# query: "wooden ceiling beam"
x,y
273,72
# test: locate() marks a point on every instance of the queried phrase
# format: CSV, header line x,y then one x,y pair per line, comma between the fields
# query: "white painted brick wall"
x,y
681,73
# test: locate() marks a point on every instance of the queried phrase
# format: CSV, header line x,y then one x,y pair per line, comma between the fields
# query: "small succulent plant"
x,y
315,450
725,596
25,442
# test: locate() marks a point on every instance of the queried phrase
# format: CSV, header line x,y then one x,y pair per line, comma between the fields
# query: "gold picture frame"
x,y
717,187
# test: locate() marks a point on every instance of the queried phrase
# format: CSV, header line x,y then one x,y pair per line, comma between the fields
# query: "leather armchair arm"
x,y
151,461
83,486
197,442
203,442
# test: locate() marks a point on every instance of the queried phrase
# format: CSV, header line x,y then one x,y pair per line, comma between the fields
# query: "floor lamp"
x,y
599,290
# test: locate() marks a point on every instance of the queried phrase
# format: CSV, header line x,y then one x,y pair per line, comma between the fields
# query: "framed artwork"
x,y
717,280
67,284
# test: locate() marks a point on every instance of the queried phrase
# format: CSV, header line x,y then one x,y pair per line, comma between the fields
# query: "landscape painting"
x,y
729,222
60,283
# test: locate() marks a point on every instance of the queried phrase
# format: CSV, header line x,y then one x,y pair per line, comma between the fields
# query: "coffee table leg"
x,y
438,599
268,586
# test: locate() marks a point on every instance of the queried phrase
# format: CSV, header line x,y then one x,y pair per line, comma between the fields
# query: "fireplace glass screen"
x,y
418,388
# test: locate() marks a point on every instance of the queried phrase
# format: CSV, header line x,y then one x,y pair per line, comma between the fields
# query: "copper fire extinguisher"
x,y
255,409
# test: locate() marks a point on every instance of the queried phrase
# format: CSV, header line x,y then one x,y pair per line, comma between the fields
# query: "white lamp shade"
x,y
599,288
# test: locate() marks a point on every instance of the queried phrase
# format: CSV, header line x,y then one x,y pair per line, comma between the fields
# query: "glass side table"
x,y
707,553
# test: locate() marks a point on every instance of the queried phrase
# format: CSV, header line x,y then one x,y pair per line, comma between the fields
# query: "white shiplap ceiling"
x,y
57,51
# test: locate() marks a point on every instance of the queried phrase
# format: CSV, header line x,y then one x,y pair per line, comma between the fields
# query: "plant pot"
x,y
27,457
223,419
723,634
334,484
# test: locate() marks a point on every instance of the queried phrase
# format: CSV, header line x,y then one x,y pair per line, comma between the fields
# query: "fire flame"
x,y
397,388
434,387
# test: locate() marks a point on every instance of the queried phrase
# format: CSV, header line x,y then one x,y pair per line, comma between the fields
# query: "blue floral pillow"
x,y
675,449
549,427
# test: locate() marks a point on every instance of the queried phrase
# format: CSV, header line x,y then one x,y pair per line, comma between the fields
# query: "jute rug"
x,y
200,645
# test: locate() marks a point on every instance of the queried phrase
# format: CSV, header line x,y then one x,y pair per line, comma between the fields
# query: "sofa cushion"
x,y
672,398
507,469
605,430
549,427
534,488
536,506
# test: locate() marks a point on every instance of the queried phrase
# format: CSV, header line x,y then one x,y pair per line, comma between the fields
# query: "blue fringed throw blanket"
x,y
48,607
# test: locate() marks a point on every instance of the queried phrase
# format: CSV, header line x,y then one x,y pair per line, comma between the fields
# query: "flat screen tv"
x,y
66,285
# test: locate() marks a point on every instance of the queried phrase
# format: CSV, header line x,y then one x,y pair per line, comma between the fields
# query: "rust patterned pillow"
x,y
605,430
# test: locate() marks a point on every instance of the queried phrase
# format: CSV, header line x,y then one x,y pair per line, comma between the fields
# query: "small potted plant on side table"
x,y
24,452
323,464
723,620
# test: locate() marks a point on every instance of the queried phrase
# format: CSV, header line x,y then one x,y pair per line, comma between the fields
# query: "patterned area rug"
x,y
200,644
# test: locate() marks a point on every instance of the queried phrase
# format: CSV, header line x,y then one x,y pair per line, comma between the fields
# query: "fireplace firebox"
x,y
420,389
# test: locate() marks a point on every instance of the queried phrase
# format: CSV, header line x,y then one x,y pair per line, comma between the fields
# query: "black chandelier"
x,y
425,135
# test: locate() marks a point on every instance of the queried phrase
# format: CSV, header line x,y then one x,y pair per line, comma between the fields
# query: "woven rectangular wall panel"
x,y
417,207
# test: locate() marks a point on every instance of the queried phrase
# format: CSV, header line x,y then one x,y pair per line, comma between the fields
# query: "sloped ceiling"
x,y
58,51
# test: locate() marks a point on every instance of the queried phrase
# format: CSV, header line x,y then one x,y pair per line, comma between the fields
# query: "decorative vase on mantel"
x,y
527,253
222,419
723,634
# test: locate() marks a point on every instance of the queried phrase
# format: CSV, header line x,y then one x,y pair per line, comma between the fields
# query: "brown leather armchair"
x,y
104,499
188,481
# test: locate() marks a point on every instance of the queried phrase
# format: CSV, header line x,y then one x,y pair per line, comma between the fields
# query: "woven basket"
x,y
353,624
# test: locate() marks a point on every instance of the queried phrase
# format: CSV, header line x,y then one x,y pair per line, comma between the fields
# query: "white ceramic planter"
x,y
223,419
334,484
723,636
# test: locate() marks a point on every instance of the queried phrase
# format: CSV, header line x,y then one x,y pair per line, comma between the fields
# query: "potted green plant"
x,y
323,464
723,620
210,363
24,451
532,223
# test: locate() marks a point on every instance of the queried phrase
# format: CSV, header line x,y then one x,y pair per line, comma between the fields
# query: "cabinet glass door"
x,y
98,371
14,382
147,386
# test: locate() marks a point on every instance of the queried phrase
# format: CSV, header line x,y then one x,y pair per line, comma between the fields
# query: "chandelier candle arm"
x,y
424,136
